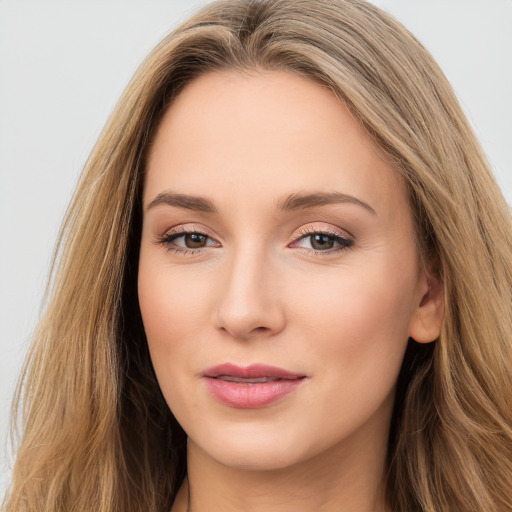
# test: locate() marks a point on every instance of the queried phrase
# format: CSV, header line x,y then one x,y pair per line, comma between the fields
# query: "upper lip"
x,y
253,371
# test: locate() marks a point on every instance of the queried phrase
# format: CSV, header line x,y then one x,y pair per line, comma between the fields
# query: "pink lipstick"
x,y
250,387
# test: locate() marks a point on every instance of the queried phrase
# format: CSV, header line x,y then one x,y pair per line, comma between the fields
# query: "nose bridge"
x,y
248,301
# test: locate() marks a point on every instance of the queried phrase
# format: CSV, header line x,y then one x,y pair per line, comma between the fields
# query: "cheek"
x,y
357,306
355,334
359,324
173,314
169,299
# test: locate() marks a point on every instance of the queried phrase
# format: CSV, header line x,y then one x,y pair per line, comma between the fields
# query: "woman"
x,y
288,236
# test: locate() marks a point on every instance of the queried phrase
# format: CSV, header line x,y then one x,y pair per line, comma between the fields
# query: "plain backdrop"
x,y
64,64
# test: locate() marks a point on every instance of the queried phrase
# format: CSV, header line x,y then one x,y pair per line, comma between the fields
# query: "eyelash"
x,y
168,238
344,243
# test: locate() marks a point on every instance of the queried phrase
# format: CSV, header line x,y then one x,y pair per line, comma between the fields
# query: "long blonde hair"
x,y
96,432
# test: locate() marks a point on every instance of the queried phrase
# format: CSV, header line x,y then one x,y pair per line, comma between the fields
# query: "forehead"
x,y
263,134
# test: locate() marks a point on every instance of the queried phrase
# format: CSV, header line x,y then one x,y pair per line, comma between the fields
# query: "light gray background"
x,y
64,64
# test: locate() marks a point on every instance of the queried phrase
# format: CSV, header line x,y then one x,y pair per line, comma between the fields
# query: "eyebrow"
x,y
297,201
184,201
302,201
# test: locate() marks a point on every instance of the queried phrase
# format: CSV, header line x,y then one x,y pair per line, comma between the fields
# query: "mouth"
x,y
254,372
251,387
241,380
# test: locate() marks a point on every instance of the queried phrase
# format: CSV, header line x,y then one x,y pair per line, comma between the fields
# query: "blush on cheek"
x,y
357,316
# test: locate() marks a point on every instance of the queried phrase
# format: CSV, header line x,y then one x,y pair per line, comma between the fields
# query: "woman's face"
x,y
279,279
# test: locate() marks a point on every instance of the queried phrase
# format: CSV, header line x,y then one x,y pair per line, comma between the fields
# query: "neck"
x,y
347,478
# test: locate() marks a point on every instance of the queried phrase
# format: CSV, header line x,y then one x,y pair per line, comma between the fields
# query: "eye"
x,y
322,241
183,240
191,240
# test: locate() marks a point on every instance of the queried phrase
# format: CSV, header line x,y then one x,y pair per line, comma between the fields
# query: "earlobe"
x,y
427,319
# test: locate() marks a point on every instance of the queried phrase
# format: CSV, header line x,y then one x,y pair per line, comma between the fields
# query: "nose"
x,y
249,303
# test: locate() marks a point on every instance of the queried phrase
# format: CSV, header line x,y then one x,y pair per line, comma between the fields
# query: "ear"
x,y
427,318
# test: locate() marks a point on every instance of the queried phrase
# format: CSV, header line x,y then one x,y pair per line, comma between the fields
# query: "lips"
x,y
251,387
254,371
242,380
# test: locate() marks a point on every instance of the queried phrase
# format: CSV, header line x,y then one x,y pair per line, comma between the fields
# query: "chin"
x,y
254,451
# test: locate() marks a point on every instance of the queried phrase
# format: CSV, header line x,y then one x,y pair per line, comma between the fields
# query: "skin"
x,y
261,290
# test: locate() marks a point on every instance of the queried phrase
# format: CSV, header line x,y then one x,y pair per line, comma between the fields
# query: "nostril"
x,y
249,333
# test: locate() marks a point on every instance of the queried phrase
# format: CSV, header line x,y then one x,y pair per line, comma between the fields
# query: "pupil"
x,y
195,240
322,242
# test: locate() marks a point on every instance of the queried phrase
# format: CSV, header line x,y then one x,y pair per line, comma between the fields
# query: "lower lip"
x,y
251,396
